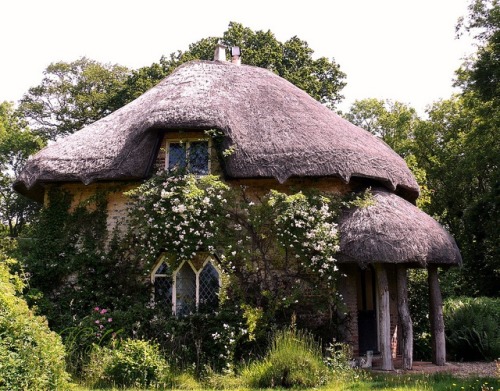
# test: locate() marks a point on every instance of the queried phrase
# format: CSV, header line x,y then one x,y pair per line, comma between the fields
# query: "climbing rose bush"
x,y
306,225
186,214
177,214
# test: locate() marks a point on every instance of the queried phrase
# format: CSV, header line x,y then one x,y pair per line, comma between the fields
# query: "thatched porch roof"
x,y
395,231
277,130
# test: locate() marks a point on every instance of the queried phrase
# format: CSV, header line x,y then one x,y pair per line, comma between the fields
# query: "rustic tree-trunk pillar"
x,y
404,317
384,317
436,317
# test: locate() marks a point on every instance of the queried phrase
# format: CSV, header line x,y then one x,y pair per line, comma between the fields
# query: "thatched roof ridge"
x,y
393,230
277,130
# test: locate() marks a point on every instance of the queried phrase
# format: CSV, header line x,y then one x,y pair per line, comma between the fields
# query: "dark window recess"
x,y
190,291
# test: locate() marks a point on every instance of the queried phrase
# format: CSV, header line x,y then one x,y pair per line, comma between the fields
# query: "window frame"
x,y
187,141
210,258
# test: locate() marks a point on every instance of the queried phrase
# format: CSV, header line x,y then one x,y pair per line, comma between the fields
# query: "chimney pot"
x,y
236,55
220,52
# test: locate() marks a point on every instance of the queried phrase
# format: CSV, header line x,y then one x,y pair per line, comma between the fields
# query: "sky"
x,y
403,50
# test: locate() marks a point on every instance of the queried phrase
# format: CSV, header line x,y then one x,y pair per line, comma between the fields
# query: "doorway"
x,y
367,311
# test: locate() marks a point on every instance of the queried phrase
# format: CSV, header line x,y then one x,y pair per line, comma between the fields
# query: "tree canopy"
x,y
392,121
458,148
293,60
461,153
72,95
17,142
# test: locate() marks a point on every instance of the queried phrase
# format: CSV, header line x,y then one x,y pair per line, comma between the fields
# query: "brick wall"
x,y
348,289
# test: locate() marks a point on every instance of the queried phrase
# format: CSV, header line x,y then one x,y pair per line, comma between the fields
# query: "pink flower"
x,y
97,321
97,309
110,320
103,311
101,326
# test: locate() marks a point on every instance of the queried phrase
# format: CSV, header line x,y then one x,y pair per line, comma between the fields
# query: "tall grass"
x,y
294,360
428,382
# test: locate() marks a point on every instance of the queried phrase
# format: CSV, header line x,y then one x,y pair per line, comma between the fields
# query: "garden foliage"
x,y
31,356
129,363
472,328
275,252
294,360
95,329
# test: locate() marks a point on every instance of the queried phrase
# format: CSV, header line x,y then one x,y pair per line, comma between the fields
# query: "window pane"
x,y
198,157
163,293
163,287
163,269
177,156
209,287
185,294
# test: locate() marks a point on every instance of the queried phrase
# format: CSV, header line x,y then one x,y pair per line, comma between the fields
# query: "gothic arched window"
x,y
194,285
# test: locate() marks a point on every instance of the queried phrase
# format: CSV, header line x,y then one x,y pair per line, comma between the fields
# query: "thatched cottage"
x,y
280,137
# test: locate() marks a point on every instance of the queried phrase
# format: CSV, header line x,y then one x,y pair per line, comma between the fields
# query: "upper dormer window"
x,y
189,155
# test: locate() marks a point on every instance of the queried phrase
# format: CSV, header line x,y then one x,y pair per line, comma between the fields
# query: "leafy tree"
x,y
459,149
139,81
481,72
72,95
292,60
395,123
17,142
392,121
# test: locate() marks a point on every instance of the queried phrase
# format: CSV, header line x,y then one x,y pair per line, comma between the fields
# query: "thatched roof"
x,y
393,230
277,130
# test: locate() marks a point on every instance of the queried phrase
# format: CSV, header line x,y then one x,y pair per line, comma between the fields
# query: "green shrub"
x,y
338,356
294,360
131,363
94,329
31,356
418,300
472,327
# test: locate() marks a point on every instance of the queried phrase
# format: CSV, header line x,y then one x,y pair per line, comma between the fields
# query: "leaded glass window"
x,y
177,156
208,287
185,290
192,156
193,286
198,157
163,287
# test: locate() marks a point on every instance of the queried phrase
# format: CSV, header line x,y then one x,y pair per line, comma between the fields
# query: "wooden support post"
x,y
404,317
436,317
384,317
